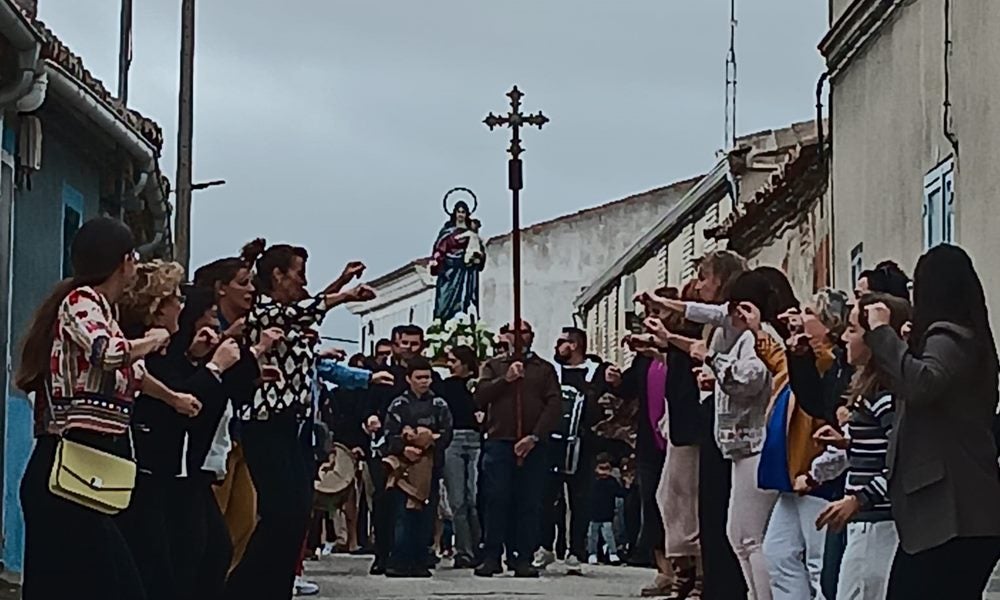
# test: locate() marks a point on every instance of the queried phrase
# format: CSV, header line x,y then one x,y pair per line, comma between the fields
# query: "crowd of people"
x,y
195,440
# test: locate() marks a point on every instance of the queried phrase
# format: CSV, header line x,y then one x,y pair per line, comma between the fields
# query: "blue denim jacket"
x,y
341,375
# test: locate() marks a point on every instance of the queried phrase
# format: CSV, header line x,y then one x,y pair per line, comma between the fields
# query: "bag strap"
x,y
51,418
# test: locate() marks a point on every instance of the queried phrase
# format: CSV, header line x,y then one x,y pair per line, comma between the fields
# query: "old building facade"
x,y
914,133
70,152
749,202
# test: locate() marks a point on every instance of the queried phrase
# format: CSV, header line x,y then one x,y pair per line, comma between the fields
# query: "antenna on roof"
x,y
730,133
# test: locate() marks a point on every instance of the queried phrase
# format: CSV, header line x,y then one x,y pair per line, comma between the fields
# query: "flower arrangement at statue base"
x,y
462,330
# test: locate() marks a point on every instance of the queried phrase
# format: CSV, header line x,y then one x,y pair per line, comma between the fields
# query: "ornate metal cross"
x,y
515,119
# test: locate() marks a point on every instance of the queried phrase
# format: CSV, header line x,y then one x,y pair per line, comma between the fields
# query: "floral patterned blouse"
x,y
94,381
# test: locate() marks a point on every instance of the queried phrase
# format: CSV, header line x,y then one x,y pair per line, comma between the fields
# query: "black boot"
x,y
524,570
378,567
489,568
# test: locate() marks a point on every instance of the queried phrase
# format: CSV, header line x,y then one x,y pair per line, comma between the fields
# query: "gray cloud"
x,y
339,125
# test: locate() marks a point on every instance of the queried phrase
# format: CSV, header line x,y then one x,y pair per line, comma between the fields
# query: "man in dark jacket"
x,y
521,398
579,374
407,342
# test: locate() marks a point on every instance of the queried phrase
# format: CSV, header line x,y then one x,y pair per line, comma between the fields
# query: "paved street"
x,y
347,577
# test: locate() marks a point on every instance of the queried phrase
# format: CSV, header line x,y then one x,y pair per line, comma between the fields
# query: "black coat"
x,y
344,413
159,430
819,395
683,398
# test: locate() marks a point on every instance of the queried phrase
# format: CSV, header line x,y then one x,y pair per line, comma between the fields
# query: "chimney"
x,y
28,7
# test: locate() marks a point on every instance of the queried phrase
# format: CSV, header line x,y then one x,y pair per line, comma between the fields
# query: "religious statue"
x,y
457,260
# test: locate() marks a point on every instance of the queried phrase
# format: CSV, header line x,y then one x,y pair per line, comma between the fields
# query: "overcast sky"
x,y
340,124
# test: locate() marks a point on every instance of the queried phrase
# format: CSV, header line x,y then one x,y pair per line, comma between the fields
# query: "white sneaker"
x,y
614,559
573,566
327,549
592,560
305,588
543,558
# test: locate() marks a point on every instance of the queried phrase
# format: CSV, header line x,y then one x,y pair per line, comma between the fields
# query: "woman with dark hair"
x,y
231,279
794,547
784,297
278,450
943,478
84,374
462,456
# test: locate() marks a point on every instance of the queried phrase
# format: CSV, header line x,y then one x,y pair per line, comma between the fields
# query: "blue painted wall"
x,y
68,178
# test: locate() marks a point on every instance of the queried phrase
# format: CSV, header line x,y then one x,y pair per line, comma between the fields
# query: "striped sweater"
x,y
869,429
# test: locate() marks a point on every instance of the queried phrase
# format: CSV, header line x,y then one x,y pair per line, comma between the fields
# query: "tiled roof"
x,y
798,180
55,50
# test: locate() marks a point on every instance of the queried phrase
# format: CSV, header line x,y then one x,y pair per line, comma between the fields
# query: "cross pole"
x,y
515,119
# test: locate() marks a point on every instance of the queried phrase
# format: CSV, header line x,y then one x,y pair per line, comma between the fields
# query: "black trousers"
x,y
70,551
147,530
957,570
513,496
178,537
279,472
201,549
554,514
412,528
568,493
382,515
723,575
652,535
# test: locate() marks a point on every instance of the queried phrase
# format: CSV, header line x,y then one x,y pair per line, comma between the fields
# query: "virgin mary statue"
x,y
457,260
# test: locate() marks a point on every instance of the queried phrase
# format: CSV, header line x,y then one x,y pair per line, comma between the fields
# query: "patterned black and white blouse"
x,y
294,356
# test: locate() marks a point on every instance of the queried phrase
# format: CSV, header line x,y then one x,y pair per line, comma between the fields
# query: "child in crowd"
x,y
604,493
418,429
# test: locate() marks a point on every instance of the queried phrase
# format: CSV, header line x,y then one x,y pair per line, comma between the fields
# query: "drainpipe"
x,y
35,96
820,134
949,131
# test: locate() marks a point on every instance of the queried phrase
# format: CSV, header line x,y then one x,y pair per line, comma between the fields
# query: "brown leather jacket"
x,y
541,399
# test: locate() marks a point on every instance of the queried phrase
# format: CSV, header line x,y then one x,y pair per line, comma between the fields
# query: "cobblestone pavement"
x,y
347,577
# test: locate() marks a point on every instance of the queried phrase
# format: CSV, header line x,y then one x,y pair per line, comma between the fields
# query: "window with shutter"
x,y
939,204
688,250
857,264
711,220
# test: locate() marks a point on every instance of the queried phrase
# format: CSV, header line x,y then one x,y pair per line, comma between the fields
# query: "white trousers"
x,y
794,548
864,572
749,510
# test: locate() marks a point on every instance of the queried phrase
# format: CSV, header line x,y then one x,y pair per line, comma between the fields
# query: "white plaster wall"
x,y
559,259
397,313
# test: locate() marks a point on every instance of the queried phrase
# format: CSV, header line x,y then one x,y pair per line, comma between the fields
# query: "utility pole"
x,y
185,126
125,51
